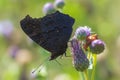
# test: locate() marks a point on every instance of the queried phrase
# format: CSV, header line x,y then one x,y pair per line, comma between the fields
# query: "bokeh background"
x,y
19,55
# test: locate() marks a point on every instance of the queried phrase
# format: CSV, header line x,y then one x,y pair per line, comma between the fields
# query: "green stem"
x,y
94,65
86,75
82,76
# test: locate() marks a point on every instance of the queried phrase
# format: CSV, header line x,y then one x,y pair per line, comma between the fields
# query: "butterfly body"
x,y
51,32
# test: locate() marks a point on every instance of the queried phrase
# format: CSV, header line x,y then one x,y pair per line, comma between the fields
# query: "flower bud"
x,y
48,8
97,46
59,4
80,60
82,32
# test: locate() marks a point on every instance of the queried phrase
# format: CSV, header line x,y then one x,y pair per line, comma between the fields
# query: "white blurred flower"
x,y
48,8
6,28
63,77
59,3
23,56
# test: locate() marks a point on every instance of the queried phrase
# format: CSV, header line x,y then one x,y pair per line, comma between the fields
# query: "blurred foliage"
x,y
19,55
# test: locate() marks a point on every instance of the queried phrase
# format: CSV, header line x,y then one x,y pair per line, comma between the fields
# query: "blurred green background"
x,y
19,56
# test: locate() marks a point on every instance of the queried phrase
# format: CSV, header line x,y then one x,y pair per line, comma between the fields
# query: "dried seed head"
x,y
80,60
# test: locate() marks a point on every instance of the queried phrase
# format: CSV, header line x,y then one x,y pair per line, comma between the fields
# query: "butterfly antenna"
x,y
41,65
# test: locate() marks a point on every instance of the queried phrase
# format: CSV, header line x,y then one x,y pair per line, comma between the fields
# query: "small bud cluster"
x,y
85,41
50,7
89,40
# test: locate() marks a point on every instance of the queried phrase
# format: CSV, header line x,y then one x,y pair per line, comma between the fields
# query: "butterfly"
x,y
51,32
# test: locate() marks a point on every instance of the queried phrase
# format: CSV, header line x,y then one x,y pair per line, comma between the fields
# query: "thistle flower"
x,y
97,46
59,4
80,60
48,8
82,32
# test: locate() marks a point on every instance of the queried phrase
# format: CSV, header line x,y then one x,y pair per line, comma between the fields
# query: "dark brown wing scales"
x,y
51,32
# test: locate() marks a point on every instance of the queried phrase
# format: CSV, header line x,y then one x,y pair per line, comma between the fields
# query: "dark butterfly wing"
x,y
51,32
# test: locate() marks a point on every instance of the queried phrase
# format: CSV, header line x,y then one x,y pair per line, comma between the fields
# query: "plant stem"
x,y
94,65
86,75
82,76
